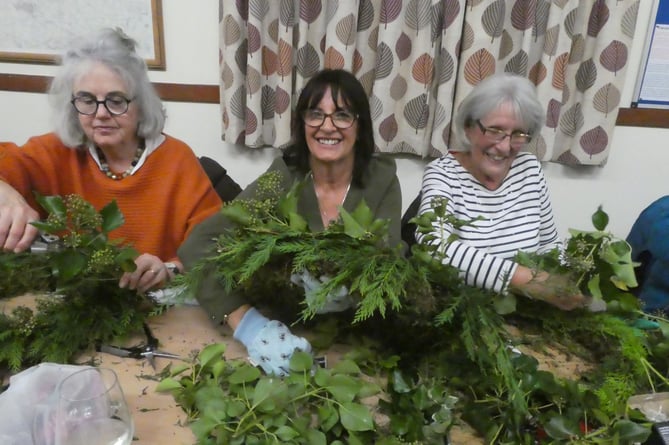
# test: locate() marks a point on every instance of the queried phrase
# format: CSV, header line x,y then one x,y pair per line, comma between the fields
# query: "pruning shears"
x,y
148,350
46,243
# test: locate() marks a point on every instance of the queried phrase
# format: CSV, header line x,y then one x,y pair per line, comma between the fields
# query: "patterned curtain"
x,y
417,59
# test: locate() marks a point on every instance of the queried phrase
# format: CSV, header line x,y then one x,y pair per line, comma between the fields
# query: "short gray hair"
x,y
114,49
490,94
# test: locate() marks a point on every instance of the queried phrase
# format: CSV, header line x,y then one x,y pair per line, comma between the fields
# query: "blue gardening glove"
x,y
270,344
336,301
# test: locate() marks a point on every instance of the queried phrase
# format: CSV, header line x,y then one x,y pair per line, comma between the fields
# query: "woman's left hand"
x,y
151,273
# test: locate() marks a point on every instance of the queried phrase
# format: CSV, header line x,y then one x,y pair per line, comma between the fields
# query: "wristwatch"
x,y
172,268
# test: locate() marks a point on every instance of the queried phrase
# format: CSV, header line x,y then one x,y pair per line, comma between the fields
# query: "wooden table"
x,y
182,330
158,419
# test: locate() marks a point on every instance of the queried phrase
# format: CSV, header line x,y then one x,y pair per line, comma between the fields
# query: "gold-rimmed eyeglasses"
x,y
88,104
341,119
517,138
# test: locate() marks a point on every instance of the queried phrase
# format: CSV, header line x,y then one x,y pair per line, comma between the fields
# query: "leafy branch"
x,y
438,333
76,279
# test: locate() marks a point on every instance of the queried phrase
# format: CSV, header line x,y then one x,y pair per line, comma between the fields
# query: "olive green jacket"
x,y
381,193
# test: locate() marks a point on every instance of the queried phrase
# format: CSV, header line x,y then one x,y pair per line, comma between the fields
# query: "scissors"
x,y
148,350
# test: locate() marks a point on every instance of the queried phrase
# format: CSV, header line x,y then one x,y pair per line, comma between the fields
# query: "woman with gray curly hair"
x,y
108,144
485,177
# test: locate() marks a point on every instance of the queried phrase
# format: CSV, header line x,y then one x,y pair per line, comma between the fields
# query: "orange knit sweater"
x,y
161,202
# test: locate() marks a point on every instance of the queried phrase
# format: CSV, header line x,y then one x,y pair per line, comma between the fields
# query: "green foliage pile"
x,y
429,329
231,402
76,278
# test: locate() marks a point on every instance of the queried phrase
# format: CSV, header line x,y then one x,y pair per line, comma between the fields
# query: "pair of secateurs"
x,y
148,350
46,243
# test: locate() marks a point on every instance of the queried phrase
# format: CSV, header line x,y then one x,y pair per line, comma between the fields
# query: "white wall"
x,y
633,177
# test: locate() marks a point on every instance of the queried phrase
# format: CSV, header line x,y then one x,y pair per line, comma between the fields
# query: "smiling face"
x,y
487,160
327,143
107,131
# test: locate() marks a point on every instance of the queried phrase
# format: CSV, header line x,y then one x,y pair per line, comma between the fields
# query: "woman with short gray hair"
x,y
108,144
485,177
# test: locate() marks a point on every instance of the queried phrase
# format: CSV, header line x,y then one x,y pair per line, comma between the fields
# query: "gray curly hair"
x,y
114,49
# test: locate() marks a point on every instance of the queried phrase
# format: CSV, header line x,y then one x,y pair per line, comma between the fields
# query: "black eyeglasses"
x,y
88,104
340,119
517,139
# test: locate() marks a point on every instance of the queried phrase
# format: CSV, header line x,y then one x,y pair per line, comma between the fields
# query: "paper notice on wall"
x,y
655,85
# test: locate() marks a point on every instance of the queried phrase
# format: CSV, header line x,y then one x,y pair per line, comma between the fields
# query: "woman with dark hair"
x,y
332,154
108,144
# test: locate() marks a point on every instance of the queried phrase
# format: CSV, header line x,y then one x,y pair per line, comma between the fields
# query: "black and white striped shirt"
x,y
517,216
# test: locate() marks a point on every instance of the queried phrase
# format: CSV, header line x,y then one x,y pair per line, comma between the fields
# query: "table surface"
x,y
158,419
181,330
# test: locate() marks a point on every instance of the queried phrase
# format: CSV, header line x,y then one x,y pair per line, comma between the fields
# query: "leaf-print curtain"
x,y
417,59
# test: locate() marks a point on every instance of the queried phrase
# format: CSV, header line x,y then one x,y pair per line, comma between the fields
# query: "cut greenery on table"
x,y
427,338
75,281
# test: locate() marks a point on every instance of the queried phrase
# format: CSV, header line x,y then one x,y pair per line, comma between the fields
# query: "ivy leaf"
x,y
399,384
218,369
631,432
202,427
68,264
593,287
236,408
619,255
126,259
288,202
504,304
559,427
301,361
600,219
574,233
212,400
48,227
286,433
168,384
297,222
210,353
244,374
112,217
356,417
343,387
328,416
236,213
54,205
346,366
179,368
315,437
269,394
369,389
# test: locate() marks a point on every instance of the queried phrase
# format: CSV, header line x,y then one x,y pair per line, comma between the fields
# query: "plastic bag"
x,y
29,394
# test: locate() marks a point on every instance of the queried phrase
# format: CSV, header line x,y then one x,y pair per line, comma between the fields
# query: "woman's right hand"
x,y
16,232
